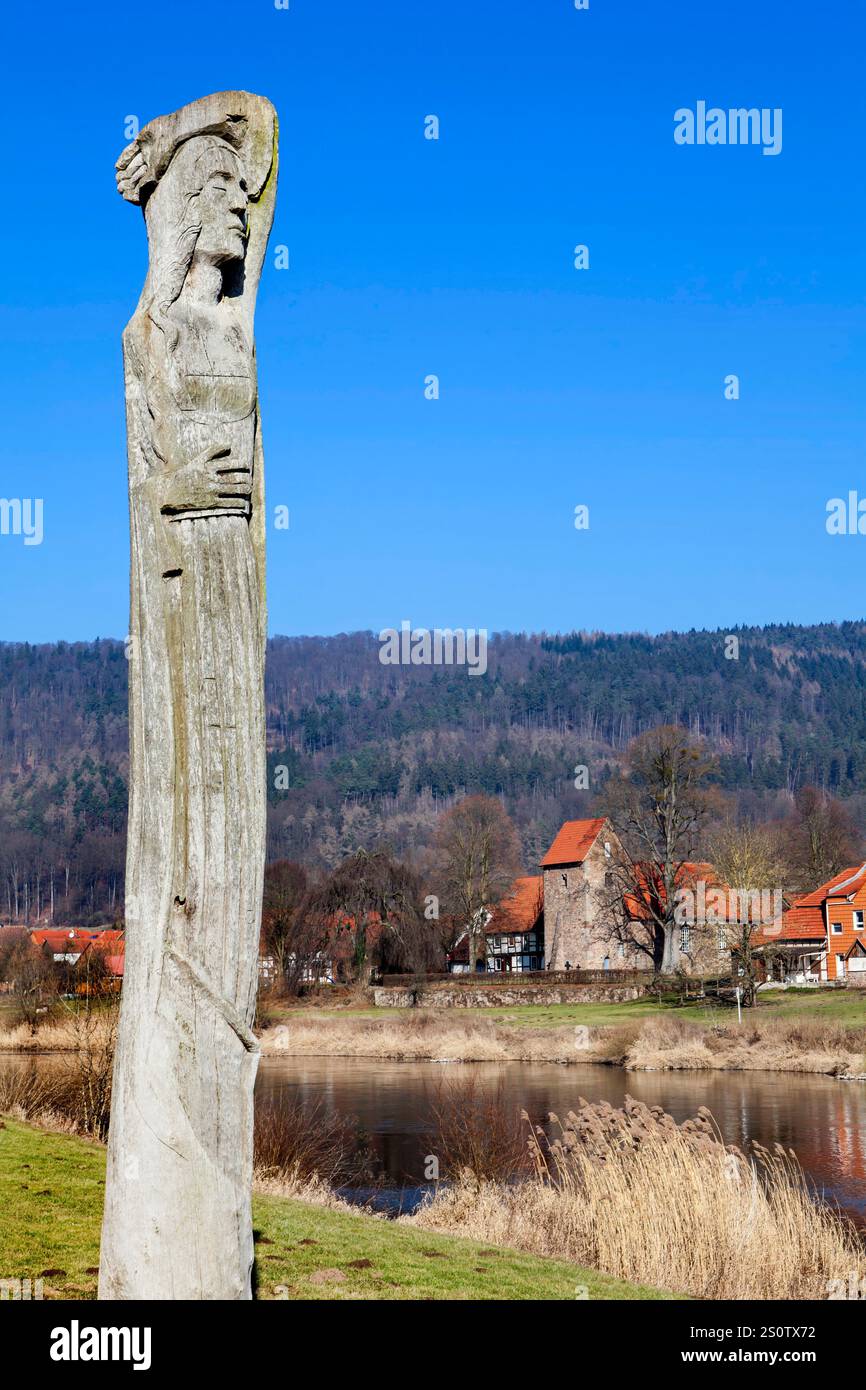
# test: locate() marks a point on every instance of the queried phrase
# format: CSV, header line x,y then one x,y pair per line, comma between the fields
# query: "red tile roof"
x,y
800,923
847,881
804,920
72,940
573,842
521,907
77,940
649,888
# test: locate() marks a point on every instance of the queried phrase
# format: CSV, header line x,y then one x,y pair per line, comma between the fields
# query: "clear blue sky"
x,y
410,257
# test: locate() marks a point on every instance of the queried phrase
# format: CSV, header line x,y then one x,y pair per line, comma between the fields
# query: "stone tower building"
x,y
575,869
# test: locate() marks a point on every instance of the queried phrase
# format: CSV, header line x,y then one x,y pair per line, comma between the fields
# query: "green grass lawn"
x,y
827,1005
51,1192
830,1005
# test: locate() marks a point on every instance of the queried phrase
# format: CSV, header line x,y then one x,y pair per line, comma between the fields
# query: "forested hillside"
x,y
360,752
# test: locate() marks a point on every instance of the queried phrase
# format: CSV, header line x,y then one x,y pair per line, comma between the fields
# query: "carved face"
x,y
221,205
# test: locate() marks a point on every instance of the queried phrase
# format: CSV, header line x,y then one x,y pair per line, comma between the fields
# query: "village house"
x,y
568,918
514,934
822,937
96,957
563,918
66,944
584,923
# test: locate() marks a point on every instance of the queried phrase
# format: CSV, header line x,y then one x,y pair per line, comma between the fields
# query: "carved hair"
x,y
172,241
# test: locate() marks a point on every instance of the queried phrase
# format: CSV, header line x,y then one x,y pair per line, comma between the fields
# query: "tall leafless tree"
x,y
284,890
374,897
748,859
476,857
820,839
659,805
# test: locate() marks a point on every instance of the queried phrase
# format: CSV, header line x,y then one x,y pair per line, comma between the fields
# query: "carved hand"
x,y
132,169
211,482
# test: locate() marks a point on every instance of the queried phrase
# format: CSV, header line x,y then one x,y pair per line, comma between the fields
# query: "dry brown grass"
x,y
477,1131
311,1189
802,1045
298,1142
59,1035
635,1195
668,1043
420,1035
44,1100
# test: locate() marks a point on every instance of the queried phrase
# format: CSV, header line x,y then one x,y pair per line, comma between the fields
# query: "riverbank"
x,y
654,1204
51,1194
819,1032
822,1033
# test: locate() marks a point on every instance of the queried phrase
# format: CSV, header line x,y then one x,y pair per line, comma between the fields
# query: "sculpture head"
x,y
196,212
205,178
217,197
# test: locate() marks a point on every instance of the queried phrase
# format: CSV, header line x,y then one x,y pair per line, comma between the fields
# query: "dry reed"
x,y
632,1193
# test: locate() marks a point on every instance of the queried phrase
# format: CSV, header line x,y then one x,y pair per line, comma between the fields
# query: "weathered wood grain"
x,y
177,1219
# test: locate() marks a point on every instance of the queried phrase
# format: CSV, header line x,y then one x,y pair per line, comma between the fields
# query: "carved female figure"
x,y
177,1216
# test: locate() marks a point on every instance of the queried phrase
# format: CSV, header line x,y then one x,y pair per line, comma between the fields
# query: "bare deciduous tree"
x,y
476,858
658,806
748,859
821,839
284,890
34,983
373,896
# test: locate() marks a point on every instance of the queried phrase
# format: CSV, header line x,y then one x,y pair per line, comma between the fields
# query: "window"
x,y
723,937
607,849
565,879
836,928
858,921
608,880
685,938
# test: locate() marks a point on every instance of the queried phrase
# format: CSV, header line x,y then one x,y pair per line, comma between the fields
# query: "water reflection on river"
x,y
822,1119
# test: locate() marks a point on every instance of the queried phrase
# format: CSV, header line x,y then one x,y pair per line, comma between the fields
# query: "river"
x,y
822,1119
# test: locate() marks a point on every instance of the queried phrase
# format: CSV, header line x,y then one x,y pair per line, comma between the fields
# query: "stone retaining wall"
x,y
447,996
